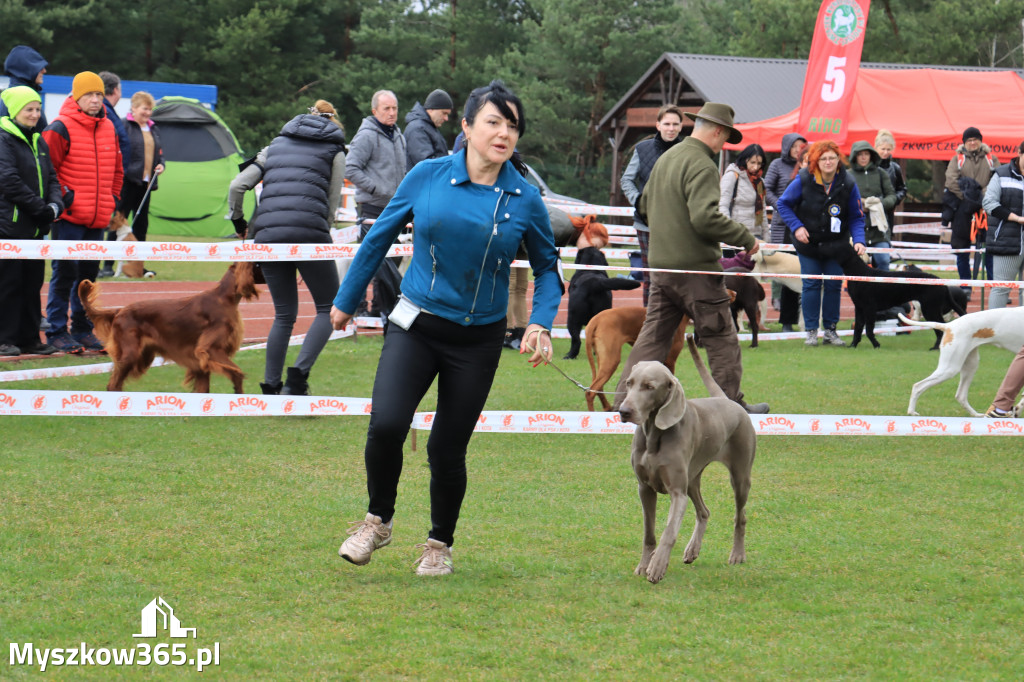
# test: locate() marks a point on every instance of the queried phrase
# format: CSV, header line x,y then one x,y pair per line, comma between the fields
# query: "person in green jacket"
x,y
680,202
877,196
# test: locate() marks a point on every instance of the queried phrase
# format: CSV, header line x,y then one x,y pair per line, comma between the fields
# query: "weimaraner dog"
x,y
674,441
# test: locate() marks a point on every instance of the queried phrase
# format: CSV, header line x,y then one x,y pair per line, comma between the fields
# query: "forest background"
x,y
569,60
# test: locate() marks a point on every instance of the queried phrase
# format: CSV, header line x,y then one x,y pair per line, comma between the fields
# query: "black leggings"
x,y
464,360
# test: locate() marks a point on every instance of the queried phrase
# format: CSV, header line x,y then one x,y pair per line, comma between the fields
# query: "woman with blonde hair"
x,y
821,209
146,163
303,171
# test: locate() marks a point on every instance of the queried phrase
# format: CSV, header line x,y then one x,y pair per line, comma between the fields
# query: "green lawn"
x,y
867,557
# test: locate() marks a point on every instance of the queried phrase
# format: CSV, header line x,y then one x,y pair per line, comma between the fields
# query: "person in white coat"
x,y
743,191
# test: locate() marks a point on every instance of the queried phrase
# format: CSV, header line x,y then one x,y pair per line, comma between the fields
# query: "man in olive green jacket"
x,y
680,201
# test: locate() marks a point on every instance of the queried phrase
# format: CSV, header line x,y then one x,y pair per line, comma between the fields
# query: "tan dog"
x,y
768,262
607,332
674,441
128,268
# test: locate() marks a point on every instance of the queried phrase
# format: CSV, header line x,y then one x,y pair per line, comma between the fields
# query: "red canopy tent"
x,y
926,110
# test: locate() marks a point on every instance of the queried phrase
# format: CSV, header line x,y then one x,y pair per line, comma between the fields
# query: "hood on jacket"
x,y
24,63
370,122
983,150
863,146
418,113
788,140
313,127
70,109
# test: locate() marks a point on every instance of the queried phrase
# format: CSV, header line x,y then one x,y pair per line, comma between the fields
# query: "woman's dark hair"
x,y
748,153
500,96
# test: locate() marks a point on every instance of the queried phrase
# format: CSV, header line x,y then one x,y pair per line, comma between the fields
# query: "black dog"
x,y
590,292
749,293
870,297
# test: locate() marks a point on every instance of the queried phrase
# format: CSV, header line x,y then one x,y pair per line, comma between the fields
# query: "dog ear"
x,y
245,284
673,409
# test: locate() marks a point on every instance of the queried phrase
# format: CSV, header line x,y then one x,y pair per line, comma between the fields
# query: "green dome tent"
x,y
201,156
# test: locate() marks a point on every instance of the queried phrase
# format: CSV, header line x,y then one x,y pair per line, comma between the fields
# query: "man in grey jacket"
x,y
422,135
376,164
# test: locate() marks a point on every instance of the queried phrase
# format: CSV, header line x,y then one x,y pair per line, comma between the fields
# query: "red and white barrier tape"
x,y
157,404
764,425
152,404
181,251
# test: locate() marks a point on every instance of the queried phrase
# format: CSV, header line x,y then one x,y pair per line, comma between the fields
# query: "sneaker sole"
x,y
349,559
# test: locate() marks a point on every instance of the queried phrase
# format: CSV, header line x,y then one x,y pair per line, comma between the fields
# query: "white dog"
x,y
958,350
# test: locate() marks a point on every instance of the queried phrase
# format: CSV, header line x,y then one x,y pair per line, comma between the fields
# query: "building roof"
x,y
755,88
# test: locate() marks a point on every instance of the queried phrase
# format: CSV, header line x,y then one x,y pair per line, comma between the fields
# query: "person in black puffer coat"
x,y
1004,202
303,171
30,200
780,173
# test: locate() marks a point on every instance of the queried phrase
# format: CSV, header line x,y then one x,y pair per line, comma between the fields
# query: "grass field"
x,y
867,557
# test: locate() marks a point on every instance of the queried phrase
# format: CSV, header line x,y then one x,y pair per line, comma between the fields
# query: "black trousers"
x,y
464,360
789,306
387,280
20,310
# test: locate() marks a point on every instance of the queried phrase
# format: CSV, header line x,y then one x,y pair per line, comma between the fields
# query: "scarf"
x,y
389,131
758,183
662,146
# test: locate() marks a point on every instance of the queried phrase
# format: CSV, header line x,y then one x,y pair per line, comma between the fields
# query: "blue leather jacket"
x,y
464,241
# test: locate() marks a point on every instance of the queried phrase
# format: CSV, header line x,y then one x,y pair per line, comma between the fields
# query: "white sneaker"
x,y
832,339
812,337
436,558
364,537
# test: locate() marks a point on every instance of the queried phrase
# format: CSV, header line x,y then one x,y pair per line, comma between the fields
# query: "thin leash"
x,y
148,188
583,388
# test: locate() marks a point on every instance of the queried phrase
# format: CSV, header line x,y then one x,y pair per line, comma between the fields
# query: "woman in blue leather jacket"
x,y
470,210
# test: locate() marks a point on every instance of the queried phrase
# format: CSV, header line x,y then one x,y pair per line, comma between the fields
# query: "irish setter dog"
x,y
201,333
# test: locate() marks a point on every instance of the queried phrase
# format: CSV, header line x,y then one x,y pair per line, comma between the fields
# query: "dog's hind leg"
x,y
649,505
701,524
574,324
970,367
659,562
741,489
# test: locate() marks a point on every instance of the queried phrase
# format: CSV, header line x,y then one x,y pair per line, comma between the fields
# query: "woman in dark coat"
x,y
146,163
303,171
30,199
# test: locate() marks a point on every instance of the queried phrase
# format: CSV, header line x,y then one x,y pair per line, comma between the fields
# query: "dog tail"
x,y
102,318
713,388
921,323
618,283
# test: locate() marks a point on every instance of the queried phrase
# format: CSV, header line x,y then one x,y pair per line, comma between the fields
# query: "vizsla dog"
x,y
201,333
675,440
958,349
607,333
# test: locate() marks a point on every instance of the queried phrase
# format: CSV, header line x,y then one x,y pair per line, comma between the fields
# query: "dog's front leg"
x,y
659,562
649,504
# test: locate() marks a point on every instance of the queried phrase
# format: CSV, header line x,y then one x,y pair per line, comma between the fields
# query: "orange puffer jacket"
x,y
87,157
